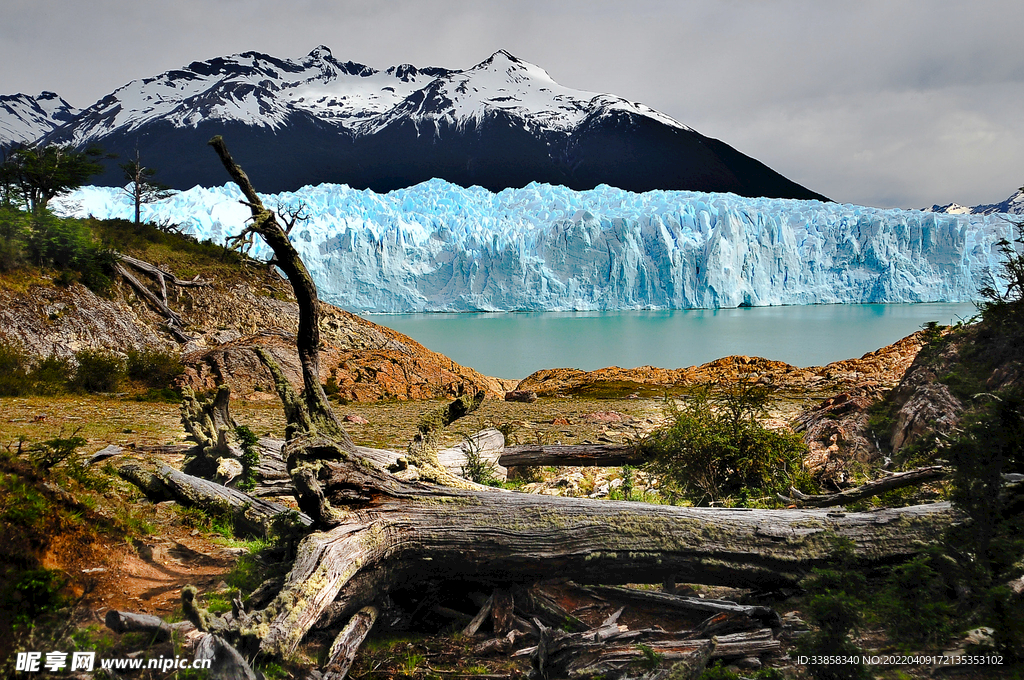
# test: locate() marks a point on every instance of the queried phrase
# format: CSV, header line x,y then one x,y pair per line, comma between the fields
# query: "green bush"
x,y
154,368
98,371
250,457
48,453
1006,307
13,237
18,377
915,603
44,240
36,593
835,609
715,447
14,380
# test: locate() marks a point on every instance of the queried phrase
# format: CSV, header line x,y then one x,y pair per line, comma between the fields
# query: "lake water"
x,y
517,344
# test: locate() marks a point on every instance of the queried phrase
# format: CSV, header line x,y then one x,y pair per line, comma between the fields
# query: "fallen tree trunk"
x,y
898,480
425,533
594,455
707,607
251,516
343,651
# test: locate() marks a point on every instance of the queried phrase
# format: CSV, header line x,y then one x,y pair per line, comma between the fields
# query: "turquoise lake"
x,y
514,345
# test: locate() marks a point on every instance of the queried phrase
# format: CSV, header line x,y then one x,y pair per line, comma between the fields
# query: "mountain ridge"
x,y
1014,205
502,123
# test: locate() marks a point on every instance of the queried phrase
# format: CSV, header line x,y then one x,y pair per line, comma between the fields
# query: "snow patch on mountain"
x,y
264,91
440,247
24,118
1014,205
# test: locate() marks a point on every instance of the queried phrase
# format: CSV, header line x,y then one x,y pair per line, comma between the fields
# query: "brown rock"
x,y
525,396
228,320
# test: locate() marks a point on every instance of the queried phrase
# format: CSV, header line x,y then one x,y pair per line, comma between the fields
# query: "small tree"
x,y
141,186
1007,306
716,448
37,174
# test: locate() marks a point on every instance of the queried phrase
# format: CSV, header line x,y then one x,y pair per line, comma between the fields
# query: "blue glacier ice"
x,y
440,247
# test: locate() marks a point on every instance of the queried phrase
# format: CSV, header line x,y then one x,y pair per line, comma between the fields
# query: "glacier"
x,y
440,247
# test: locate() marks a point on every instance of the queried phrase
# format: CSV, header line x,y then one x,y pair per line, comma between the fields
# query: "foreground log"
x,y
594,455
343,651
128,622
699,605
895,481
378,529
250,516
590,654
425,533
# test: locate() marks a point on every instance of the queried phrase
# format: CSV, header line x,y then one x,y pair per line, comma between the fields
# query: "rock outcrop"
x,y
884,367
361,360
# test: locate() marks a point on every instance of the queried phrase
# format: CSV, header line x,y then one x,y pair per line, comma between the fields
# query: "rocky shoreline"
x,y
361,361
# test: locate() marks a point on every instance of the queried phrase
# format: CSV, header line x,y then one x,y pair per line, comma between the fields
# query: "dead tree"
x,y
377,529
898,480
174,322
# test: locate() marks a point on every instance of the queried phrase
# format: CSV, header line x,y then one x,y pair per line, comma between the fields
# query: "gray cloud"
x,y
884,103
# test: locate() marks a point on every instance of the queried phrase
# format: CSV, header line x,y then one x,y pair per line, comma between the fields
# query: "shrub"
x,y
476,468
915,602
68,244
715,447
250,457
835,609
1006,307
14,380
98,371
35,593
53,451
154,368
50,376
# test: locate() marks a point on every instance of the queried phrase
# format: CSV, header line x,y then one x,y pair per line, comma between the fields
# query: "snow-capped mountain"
x,y
502,123
1014,205
440,247
24,118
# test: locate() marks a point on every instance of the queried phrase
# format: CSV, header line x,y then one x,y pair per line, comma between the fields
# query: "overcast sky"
x,y
890,103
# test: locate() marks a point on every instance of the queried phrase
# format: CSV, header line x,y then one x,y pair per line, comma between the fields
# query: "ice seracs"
x,y
440,247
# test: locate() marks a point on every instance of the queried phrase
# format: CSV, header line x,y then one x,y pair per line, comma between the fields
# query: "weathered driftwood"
x,y
174,322
312,408
594,455
488,446
147,480
251,516
343,651
724,624
898,480
226,662
378,529
740,645
162,275
503,611
128,622
698,605
588,654
474,625
425,533
546,610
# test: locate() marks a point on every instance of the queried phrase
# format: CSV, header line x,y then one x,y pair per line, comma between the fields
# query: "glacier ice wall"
x,y
440,247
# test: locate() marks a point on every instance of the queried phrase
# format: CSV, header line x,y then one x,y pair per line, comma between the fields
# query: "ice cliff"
x,y
440,247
